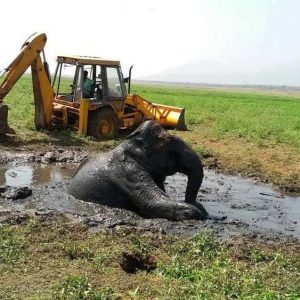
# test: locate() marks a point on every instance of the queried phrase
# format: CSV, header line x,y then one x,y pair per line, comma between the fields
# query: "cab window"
x,y
66,78
113,83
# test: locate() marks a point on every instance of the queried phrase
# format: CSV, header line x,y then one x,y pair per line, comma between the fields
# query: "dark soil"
x,y
133,262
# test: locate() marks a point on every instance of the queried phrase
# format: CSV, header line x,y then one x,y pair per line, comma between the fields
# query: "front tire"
x,y
103,124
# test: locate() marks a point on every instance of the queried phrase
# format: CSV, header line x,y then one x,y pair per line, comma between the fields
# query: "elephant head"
x,y
163,154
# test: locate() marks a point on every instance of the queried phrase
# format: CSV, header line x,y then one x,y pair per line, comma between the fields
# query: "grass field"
x,y
257,135
261,119
62,261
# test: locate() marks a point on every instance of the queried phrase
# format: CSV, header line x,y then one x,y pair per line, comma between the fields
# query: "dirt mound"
x,y
133,262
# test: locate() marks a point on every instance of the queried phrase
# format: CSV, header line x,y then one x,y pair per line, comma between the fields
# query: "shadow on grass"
x,y
58,138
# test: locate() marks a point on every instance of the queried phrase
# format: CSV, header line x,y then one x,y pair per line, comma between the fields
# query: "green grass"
x,y
199,267
79,288
21,105
258,117
11,245
209,271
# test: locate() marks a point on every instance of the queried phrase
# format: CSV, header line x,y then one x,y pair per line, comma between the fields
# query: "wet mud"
x,y
251,208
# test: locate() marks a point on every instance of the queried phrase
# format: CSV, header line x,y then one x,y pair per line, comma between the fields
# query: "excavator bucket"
x,y
4,128
165,115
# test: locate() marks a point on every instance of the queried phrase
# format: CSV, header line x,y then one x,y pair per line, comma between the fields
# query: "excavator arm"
x,y
30,55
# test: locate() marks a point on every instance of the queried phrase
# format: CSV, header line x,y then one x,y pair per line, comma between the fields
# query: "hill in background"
x,y
212,72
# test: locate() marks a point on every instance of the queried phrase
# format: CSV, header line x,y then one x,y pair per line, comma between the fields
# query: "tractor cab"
x,y
88,78
92,83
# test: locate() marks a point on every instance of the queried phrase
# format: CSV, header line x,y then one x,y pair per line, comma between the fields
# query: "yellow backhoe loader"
x,y
86,93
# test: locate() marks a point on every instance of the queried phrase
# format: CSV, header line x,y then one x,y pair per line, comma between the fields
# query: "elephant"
x,y
132,175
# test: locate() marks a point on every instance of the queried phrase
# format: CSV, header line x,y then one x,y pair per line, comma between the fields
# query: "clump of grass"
x,y
200,249
259,256
205,244
100,261
97,259
80,288
202,151
74,251
138,245
11,245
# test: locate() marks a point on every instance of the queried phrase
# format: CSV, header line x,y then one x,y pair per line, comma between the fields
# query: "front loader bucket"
x,y
169,116
4,128
165,115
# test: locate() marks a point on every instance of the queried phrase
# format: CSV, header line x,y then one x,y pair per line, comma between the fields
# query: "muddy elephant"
x,y
132,175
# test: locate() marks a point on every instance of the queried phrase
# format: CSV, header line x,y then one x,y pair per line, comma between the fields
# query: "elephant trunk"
x,y
190,164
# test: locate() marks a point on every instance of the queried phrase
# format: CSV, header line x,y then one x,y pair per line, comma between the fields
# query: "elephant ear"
x,y
148,134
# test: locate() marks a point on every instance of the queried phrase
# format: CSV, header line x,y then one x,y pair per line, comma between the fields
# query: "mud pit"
x,y
251,208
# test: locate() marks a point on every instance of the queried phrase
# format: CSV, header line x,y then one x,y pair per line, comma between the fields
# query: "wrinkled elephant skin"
x,y
132,175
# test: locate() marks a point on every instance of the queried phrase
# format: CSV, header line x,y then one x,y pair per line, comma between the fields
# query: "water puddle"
x,y
245,203
29,175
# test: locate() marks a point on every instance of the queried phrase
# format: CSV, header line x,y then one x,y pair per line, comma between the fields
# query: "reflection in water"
x,y
29,175
47,173
19,176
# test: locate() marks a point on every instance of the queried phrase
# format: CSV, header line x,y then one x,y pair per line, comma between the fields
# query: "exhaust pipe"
x,y
129,80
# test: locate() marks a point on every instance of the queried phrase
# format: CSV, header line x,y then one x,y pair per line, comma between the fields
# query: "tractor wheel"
x,y
103,124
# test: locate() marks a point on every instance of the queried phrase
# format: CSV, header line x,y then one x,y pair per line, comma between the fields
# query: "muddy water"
x,y
250,207
35,174
245,203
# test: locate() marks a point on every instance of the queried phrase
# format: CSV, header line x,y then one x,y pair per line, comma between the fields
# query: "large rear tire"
x,y
103,124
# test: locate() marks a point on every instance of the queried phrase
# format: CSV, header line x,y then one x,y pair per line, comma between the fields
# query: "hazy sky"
x,y
159,34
